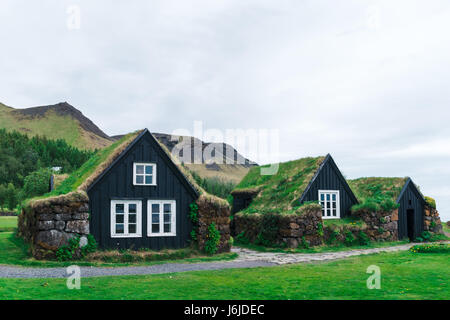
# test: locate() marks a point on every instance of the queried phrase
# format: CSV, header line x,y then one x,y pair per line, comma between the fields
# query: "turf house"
x,y
309,202
130,195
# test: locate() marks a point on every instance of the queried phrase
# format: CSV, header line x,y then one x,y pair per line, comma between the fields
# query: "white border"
x,y
153,174
338,203
138,233
161,218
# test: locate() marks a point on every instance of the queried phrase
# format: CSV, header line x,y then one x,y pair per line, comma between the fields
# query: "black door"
x,y
410,222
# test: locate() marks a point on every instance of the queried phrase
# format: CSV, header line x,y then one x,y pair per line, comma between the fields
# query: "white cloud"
x,y
364,80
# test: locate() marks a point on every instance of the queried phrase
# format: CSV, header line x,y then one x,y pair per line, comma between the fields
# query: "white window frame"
x,y
126,234
144,175
338,207
173,219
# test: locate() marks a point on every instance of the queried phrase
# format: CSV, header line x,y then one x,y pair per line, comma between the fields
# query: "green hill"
x,y
60,121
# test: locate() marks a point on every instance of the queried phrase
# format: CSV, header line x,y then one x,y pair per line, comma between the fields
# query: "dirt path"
x,y
247,259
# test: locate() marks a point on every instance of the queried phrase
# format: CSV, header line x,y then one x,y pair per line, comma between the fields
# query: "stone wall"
x,y
212,209
381,226
431,221
48,225
288,230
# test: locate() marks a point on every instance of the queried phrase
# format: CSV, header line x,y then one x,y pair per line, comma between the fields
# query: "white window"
x,y
144,174
161,218
126,217
329,200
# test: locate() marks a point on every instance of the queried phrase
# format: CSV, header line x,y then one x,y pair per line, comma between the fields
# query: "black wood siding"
x,y
117,184
329,178
417,204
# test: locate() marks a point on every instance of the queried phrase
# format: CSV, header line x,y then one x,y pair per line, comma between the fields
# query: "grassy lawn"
x,y
8,224
446,227
14,251
404,275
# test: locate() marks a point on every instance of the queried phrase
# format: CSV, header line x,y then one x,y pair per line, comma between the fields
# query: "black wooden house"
x,y
141,200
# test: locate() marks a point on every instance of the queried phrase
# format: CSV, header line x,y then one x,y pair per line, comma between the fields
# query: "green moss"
x,y
376,194
279,192
431,202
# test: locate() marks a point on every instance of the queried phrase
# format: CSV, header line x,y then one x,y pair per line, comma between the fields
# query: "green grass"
x,y
279,192
14,251
446,227
403,276
347,221
8,224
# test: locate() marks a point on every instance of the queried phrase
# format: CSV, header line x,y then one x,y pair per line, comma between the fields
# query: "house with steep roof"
x,y
296,182
402,191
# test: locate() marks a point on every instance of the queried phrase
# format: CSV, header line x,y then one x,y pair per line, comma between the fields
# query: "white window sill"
x,y
330,218
126,236
162,235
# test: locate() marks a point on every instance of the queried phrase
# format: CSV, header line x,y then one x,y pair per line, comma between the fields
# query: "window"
x,y
144,174
126,219
161,217
329,200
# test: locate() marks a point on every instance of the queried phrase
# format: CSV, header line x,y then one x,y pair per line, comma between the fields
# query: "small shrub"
x,y
90,247
333,236
305,243
363,238
65,253
381,230
431,202
231,241
426,236
431,248
241,238
213,239
320,229
382,220
432,225
349,238
193,235
193,213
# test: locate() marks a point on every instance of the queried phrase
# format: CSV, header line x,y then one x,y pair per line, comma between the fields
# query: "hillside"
x,y
60,121
63,121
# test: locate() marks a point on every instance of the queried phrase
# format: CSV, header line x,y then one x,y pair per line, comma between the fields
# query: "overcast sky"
x,y
367,81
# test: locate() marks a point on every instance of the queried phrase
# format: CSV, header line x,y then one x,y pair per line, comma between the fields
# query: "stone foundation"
x,y
431,221
49,225
211,209
381,226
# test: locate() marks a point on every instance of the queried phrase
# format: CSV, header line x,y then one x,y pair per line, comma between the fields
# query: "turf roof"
x,y
377,187
279,193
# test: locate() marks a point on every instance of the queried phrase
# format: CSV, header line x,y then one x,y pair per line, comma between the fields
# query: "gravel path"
x,y
247,259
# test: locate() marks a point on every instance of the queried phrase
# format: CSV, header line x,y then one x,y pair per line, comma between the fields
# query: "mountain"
x,y
63,121
59,121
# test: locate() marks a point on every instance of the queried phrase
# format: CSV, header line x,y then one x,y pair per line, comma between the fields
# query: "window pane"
x,y
155,208
328,196
333,197
140,179
167,207
334,212
166,217
131,228
148,179
328,212
322,197
120,208
119,228
323,212
119,218
155,228
148,169
132,208
334,205
132,218
166,227
155,218
139,169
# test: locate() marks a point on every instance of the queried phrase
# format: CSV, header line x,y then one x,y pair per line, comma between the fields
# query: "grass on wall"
x,y
279,192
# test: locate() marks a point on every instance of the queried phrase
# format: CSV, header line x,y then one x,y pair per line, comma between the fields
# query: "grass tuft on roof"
x,y
279,193
376,193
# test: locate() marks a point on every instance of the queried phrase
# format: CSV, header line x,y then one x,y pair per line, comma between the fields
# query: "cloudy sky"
x,y
367,81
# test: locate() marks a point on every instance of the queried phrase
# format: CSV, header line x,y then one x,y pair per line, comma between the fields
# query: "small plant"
x,y
65,253
383,220
433,224
193,213
242,239
231,241
320,229
213,239
381,230
333,236
305,243
425,236
431,248
90,247
349,238
193,235
363,238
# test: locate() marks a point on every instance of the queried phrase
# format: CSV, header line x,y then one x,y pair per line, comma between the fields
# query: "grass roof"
x,y
75,186
279,193
374,187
